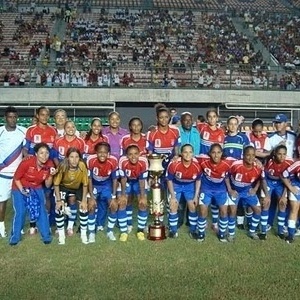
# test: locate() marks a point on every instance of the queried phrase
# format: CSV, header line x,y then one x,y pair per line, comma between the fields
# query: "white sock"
x,y
240,220
70,224
2,228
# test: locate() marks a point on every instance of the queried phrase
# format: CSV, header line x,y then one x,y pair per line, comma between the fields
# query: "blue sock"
x,y
142,219
92,223
272,211
193,217
264,221
129,212
223,224
231,225
214,213
249,218
173,221
254,222
112,218
201,225
280,221
122,219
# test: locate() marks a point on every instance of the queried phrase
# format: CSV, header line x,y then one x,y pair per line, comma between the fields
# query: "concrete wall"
x,y
73,96
140,102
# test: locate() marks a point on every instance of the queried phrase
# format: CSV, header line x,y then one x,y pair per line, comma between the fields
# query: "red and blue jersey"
x,y
61,146
102,173
209,136
90,144
163,142
242,177
273,171
293,173
213,175
183,174
30,175
141,143
133,172
261,143
36,134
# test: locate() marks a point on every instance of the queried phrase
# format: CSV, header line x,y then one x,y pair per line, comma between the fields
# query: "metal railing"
x,y
156,75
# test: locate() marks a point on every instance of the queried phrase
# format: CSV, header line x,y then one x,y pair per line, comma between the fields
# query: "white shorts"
x,y
5,187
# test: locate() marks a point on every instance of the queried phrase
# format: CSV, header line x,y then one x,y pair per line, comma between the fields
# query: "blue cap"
x,y
280,118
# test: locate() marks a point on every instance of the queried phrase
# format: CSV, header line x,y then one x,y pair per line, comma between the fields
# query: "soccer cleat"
x,y
253,235
47,242
70,232
240,226
111,236
173,235
100,228
214,228
84,239
3,234
201,238
281,236
141,236
124,237
193,235
269,227
231,238
222,238
61,240
32,231
289,240
92,238
262,236
129,228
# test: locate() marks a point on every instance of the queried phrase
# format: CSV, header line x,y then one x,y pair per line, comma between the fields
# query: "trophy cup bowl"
x,y
157,230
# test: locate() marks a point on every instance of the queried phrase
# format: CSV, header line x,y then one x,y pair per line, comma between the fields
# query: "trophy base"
x,y
156,232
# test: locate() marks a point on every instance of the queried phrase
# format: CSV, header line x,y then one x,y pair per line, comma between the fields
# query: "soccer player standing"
x,y
41,132
114,133
214,170
102,189
12,140
245,177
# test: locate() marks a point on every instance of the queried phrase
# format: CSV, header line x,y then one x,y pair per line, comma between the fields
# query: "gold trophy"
x,y
157,230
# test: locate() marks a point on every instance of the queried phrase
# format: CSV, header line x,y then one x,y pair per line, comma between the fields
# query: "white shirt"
x,y
10,142
289,138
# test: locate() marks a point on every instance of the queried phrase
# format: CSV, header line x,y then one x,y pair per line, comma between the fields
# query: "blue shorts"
x,y
274,189
133,188
102,192
294,197
186,190
206,198
245,198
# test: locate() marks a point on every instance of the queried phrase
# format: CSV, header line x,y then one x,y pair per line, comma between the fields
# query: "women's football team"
x,y
96,181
